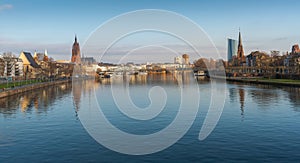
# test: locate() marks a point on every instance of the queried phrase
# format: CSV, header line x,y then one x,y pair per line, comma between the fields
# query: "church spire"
x,y
35,54
240,52
240,38
46,53
75,38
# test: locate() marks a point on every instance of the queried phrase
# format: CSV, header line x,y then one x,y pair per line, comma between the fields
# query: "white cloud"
x,y
5,7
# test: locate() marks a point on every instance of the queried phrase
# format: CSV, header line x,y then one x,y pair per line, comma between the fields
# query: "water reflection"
x,y
264,96
293,96
82,87
184,77
237,94
242,99
137,86
39,100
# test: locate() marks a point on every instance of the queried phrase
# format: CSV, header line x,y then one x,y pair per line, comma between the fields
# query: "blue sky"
x,y
51,24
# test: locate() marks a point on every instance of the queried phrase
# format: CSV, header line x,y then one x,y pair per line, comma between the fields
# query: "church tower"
x,y
240,53
75,52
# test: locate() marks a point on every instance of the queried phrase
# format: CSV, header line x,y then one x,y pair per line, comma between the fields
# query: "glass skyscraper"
x,y
232,49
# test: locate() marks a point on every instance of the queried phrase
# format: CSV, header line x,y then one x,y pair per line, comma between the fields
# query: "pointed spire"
x,y
75,38
240,52
46,54
35,54
240,37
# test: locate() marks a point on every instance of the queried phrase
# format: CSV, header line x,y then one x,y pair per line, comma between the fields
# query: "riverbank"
x,y
30,87
266,81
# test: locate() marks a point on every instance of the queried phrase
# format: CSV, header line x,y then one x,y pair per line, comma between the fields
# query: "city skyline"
x,y
51,25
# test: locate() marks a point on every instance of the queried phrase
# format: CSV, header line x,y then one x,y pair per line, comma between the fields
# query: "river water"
x,y
258,122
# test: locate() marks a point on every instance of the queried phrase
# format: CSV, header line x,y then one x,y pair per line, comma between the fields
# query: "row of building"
x,y
38,66
41,66
259,63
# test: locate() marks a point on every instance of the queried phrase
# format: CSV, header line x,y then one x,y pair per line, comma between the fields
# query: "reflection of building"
x,y
81,89
75,52
242,99
76,90
24,103
42,99
232,49
238,95
39,100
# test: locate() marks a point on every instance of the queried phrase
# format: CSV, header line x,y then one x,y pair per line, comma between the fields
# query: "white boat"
x,y
143,73
200,73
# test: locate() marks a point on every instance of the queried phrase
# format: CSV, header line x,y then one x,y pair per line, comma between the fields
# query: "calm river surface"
x,y
258,123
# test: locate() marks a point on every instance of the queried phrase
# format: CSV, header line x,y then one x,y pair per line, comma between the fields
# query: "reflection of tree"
x,y
294,96
9,105
138,79
39,99
265,96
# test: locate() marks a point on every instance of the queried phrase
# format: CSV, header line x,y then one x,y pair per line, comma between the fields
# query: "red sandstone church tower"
x,y
240,53
76,52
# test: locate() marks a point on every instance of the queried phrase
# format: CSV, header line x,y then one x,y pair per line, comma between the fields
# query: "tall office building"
x,y
231,49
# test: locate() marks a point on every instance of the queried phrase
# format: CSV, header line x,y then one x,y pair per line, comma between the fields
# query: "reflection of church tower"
x,y
242,99
75,52
77,89
240,52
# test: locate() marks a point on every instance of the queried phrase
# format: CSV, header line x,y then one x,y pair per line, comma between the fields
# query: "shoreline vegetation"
x,y
12,88
13,84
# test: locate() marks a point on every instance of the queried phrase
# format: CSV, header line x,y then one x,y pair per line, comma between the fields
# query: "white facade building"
x,y
178,60
12,66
